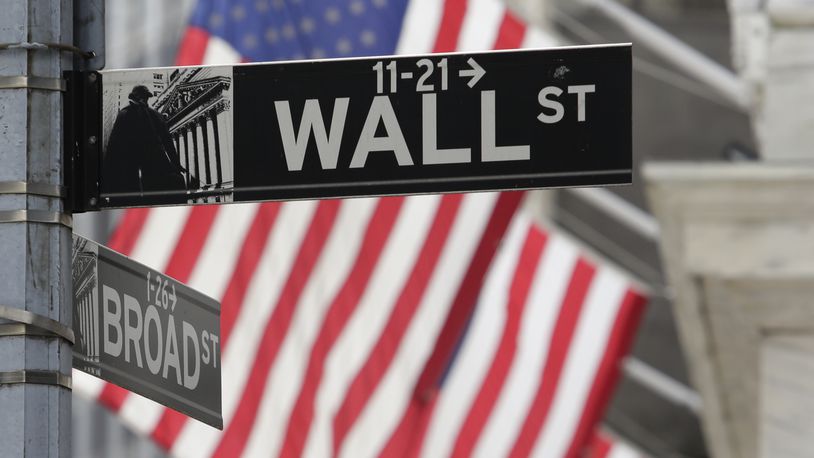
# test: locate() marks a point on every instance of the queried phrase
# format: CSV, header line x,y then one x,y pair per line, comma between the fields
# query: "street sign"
x,y
355,127
146,332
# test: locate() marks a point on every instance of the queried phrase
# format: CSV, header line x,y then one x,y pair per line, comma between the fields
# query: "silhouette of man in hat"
x,y
141,155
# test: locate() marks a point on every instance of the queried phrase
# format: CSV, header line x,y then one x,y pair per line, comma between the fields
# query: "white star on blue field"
x,y
267,30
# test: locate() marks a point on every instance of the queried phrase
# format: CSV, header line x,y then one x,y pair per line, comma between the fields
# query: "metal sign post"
x,y
146,332
89,33
35,234
354,127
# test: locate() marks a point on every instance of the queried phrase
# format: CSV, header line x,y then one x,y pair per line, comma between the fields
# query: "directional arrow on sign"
x,y
476,72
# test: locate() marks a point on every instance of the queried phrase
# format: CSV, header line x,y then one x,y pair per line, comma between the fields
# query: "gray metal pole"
x,y
35,256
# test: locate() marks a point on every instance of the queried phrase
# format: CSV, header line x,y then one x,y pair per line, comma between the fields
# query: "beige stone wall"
x,y
738,244
787,394
773,51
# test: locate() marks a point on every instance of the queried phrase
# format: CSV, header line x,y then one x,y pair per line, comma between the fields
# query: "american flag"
x,y
426,325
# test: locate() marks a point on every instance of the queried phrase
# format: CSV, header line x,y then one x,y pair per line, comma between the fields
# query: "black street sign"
x,y
354,127
146,332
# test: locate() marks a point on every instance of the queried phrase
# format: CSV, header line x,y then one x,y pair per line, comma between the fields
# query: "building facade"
x,y
196,104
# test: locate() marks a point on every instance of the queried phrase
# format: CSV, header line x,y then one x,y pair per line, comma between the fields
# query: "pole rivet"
x,y
92,77
92,201
92,139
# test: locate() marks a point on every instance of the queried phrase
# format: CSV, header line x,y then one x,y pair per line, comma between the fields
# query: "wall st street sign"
x,y
354,127
146,332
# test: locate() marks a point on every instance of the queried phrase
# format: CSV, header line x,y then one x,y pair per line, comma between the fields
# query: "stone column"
x,y
187,164
177,139
207,159
218,164
194,131
738,245
773,50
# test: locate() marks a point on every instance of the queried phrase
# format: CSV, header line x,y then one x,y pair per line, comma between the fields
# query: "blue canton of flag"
x,y
267,30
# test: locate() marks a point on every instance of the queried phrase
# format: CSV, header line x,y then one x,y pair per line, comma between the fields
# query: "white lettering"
x,y
430,152
112,320
171,358
215,358
381,109
580,91
327,144
132,333
559,111
151,316
130,327
205,347
191,380
490,152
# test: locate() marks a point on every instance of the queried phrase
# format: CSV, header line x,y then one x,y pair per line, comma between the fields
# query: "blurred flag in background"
x,y
427,325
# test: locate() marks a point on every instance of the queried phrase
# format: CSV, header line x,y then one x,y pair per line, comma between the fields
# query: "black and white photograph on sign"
x,y
167,134
86,307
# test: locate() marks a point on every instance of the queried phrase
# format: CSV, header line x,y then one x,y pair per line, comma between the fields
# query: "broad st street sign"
x,y
146,332
353,127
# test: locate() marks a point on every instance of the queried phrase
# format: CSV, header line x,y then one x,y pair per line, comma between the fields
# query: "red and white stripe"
x,y
539,357
339,317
